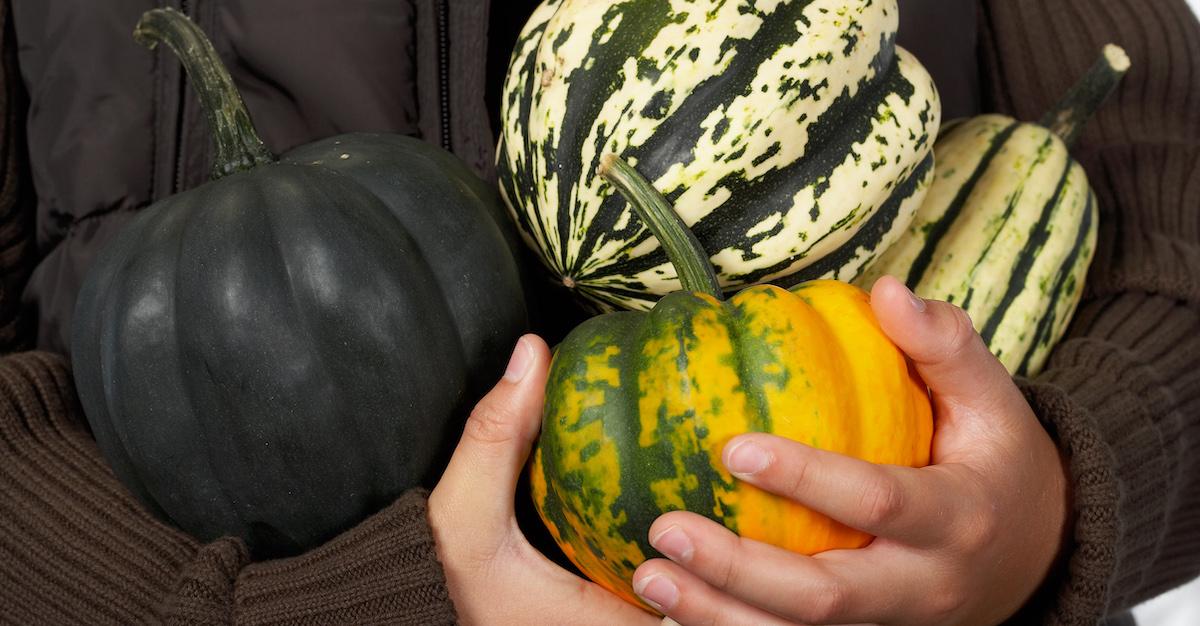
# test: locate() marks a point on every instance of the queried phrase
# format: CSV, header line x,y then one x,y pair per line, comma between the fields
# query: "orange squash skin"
x,y
640,405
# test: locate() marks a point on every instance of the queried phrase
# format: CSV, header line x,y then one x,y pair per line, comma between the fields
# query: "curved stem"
x,y
1072,113
239,147
682,248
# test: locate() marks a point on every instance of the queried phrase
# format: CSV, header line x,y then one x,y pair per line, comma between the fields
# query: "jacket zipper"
x,y
180,117
443,43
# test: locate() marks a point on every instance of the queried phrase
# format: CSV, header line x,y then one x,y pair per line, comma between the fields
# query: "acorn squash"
x,y
282,351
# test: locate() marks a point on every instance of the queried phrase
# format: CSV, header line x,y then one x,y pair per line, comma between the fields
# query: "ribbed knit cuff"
x,y
385,570
1080,594
1119,417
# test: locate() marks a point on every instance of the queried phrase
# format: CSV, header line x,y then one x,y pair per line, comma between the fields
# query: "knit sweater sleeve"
x,y
75,547
1121,393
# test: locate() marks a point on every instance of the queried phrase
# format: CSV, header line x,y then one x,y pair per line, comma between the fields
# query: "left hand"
x,y
966,540
493,574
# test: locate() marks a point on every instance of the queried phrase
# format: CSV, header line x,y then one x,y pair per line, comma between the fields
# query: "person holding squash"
x,y
1065,524
966,540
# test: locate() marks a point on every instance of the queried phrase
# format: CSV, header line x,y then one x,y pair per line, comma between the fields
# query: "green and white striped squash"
x,y
1008,229
793,136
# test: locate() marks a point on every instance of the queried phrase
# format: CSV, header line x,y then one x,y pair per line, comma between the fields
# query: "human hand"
x,y
495,576
966,540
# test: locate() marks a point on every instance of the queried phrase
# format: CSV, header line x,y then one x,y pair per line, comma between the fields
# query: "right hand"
x,y
969,539
494,575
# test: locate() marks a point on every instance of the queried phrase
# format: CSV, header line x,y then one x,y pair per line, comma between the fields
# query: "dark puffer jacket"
x,y
111,127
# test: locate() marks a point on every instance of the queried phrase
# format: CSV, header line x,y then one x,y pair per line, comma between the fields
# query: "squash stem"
x,y
1068,118
239,147
682,248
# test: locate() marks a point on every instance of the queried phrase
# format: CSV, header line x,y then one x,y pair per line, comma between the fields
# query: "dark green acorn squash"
x,y
281,352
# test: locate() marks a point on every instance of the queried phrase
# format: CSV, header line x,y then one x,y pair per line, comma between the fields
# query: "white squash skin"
x,y
748,134
1029,191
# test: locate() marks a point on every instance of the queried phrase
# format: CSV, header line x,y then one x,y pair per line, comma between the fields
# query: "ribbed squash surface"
x,y
1007,232
639,406
793,134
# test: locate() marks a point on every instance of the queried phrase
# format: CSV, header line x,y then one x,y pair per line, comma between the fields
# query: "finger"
x,y
690,601
941,341
841,587
498,435
900,503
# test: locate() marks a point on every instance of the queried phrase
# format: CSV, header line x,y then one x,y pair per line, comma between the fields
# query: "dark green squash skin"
x,y
277,354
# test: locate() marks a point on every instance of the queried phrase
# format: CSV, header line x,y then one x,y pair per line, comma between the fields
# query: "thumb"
x,y
481,477
941,341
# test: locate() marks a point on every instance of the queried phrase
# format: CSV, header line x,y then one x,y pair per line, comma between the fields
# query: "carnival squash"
x,y
279,353
1009,226
639,405
794,137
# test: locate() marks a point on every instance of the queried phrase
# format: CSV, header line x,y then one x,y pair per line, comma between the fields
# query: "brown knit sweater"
x,y
1121,393
75,547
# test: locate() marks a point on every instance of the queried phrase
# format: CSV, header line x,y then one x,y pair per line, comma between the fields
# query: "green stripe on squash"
x,y
639,405
1008,228
785,132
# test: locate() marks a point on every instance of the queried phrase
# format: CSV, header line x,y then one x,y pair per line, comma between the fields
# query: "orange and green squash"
x,y
640,404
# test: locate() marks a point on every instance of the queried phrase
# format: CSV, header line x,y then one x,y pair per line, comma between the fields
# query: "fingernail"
x,y
917,303
674,543
518,364
746,458
658,591
669,622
